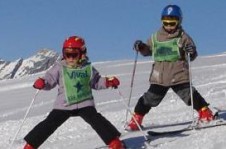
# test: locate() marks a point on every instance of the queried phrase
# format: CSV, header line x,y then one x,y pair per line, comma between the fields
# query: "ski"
x,y
107,147
102,147
137,142
199,126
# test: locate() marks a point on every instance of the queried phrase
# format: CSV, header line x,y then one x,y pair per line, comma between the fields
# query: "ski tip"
x,y
153,133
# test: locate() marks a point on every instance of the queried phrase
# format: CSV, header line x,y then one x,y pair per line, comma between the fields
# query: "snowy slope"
x,y
209,77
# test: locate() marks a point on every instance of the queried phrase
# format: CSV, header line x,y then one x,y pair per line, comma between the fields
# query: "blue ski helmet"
x,y
172,11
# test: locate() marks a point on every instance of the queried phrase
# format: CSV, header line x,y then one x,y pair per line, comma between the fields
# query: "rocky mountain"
x,y
45,58
22,67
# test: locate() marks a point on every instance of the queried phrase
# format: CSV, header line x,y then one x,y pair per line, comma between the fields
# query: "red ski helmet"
x,y
75,42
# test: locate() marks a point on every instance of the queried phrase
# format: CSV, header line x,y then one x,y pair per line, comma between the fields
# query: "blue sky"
x,y
109,27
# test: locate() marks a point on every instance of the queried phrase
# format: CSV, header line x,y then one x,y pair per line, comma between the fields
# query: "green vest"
x,y
77,84
165,50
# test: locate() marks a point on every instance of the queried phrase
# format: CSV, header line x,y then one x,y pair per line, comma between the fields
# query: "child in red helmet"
x,y
76,78
169,47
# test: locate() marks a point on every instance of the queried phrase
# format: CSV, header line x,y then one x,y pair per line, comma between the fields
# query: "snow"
x,y
30,62
209,77
39,62
8,69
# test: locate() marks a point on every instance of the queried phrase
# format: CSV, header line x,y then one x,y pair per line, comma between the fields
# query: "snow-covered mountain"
x,y
209,78
22,67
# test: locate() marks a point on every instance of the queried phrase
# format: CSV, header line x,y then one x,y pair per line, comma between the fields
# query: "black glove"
x,y
189,49
138,45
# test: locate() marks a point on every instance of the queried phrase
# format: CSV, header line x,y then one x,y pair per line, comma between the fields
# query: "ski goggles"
x,y
71,55
170,23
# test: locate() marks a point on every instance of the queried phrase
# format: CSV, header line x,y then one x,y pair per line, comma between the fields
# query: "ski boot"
x,y
28,146
205,114
116,144
132,126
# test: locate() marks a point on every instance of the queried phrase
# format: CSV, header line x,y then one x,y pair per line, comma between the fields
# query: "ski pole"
x,y
25,116
191,92
131,85
128,109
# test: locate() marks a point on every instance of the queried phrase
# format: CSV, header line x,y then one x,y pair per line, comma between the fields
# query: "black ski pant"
x,y
156,93
56,118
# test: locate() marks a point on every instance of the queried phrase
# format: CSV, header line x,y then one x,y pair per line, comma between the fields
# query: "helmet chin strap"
x,y
83,58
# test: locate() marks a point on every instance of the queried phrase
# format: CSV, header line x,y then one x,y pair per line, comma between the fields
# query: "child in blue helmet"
x,y
169,47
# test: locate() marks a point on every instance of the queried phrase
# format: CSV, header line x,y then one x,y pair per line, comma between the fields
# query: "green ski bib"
x,y
77,84
166,50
